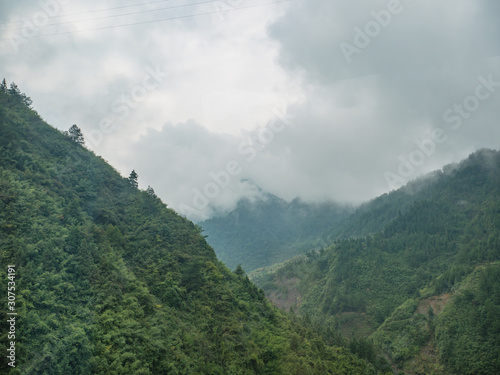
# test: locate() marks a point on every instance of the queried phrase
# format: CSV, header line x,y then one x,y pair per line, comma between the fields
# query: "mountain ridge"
x,y
111,281
444,241
266,231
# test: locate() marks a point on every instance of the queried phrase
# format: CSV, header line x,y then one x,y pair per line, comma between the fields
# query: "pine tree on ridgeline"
x,y
75,134
133,179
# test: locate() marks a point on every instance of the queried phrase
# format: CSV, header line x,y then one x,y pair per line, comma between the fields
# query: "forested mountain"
x,y
425,288
375,215
108,280
270,230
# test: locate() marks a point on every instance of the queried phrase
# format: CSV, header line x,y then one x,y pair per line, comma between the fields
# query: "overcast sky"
x,y
319,99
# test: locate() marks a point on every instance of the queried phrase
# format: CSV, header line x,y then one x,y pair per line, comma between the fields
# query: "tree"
x,y
26,100
3,87
14,90
239,270
16,94
133,179
151,191
75,134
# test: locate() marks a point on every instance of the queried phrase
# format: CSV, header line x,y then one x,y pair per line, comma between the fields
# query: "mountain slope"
x,y
270,230
110,281
381,286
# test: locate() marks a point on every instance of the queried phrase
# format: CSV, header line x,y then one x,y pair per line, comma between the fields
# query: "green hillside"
x,y
270,230
108,280
425,288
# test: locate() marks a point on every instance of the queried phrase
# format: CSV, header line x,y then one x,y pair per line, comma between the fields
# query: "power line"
x,y
126,14
105,10
159,20
92,11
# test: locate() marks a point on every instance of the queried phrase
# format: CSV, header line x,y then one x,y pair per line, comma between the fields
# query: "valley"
x,y
396,268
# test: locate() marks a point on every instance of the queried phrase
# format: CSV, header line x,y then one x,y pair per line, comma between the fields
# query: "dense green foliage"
x,y
434,249
111,281
469,327
270,230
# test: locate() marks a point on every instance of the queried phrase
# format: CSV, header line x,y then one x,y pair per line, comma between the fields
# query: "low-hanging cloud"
x,y
403,64
365,90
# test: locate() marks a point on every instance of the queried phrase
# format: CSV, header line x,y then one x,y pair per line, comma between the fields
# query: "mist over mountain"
x,y
250,187
345,111
266,230
113,279
103,278
269,230
415,272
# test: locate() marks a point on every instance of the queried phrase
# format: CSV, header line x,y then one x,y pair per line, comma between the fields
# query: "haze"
x,y
322,100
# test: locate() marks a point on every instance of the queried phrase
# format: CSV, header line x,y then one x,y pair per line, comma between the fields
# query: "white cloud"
x,y
224,77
